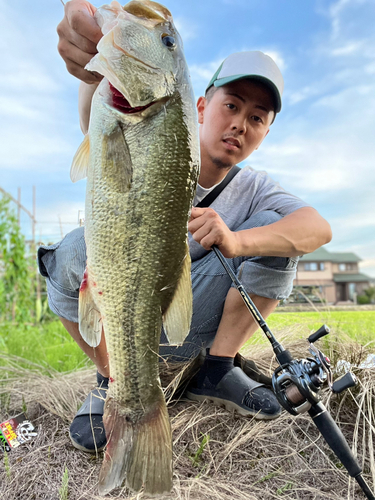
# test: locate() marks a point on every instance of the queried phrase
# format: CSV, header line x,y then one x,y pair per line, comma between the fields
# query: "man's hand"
x,y
208,229
79,35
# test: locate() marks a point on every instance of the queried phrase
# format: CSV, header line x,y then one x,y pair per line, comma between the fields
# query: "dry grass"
x,y
242,459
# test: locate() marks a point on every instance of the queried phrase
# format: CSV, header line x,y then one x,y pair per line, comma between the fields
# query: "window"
x,y
352,291
321,266
342,267
311,266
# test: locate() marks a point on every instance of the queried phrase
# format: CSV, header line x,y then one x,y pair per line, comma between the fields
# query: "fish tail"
x,y
139,454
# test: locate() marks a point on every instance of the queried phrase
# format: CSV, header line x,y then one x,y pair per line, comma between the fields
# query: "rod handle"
x,y
334,437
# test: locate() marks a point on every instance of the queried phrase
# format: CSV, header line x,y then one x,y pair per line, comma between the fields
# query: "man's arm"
x,y
298,233
85,93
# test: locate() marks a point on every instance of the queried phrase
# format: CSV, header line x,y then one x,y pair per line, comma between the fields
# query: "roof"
x,y
351,278
322,255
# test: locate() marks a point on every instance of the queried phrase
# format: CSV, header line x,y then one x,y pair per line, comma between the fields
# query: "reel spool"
x,y
297,383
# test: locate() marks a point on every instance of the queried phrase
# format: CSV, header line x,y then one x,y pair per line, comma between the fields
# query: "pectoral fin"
x,y
177,318
80,164
89,316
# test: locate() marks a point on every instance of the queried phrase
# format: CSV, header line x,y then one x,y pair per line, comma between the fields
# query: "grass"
x,y
358,325
51,346
47,345
218,455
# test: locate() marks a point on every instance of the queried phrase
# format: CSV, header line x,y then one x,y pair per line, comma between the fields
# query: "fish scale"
x,y
141,158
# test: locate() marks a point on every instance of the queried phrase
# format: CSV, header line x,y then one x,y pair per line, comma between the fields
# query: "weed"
x,y
49,458
270,475
24,407
6,465
197,457
286,487
64,491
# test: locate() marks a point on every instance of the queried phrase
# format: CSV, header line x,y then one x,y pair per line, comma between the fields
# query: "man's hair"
x,y
210,92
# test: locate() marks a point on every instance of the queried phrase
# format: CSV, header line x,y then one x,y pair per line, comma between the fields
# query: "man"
x,y
255,223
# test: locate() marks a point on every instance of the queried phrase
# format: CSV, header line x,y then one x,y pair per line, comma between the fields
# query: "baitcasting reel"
x,y
297,383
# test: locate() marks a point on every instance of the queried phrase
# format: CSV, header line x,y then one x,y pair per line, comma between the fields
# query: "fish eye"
x,y
168,40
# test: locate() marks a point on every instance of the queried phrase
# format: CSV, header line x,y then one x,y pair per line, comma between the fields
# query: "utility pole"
x,y
33,219
19,206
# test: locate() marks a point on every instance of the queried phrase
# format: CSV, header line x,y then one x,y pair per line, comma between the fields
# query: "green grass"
x,y
358,325
47,344
50,345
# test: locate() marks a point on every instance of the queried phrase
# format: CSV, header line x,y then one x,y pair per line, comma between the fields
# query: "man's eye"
x,y
231,106
257,119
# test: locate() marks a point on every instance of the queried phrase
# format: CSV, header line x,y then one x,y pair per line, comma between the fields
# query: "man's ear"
x,y
262,139
201,106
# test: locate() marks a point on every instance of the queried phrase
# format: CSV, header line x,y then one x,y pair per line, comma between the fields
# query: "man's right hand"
x,y
79,35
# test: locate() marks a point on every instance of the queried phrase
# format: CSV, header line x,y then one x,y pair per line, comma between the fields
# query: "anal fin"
x,y
177,318
89,316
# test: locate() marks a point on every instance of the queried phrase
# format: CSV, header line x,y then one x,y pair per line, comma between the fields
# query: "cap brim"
x,y
229,79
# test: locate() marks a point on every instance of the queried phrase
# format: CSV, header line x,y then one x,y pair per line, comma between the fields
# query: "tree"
x,y
370,292
17,270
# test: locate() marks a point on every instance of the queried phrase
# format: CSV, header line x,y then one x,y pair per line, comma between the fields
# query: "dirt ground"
x,y
217,454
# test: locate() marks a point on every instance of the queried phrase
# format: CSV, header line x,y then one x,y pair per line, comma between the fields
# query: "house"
x,y
330,276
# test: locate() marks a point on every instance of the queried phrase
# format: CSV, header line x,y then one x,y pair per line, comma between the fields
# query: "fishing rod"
x,y
297,383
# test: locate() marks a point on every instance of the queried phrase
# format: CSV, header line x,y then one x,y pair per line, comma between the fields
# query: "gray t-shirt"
x,y
250,192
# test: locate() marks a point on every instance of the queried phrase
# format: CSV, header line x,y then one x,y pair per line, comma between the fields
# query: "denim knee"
x,y
63,265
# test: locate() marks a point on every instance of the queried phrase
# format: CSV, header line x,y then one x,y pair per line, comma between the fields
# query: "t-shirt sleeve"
x,y
269,195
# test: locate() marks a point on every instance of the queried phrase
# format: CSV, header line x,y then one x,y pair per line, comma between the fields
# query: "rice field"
x,y
49,345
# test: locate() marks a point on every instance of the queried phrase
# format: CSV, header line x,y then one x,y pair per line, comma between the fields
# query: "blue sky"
x,y
321,146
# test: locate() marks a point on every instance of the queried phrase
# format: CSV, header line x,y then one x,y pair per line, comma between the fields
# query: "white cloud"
x,y
64,219
367,263
186,28
33,98
348,49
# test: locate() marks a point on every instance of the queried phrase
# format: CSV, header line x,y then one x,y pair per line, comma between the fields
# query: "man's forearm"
x,y
299,233
85,93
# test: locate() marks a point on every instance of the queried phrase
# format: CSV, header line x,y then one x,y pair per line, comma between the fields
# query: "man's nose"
x,y
239,125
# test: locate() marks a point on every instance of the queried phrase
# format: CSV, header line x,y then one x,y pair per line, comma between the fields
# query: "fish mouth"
x,y
122,104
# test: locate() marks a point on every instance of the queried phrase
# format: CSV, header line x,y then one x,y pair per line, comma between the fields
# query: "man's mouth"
x,y
120,103
232,143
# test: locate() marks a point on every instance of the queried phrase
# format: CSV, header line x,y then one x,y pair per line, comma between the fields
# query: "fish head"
x,y
141,52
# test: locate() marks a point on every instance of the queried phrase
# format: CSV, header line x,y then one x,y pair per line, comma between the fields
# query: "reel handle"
x,y
335,439
343,383
323,330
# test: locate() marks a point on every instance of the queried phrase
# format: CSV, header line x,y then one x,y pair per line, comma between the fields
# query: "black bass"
x,y
141,159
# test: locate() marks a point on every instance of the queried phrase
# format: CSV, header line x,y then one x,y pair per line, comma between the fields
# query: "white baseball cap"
x,y
254,65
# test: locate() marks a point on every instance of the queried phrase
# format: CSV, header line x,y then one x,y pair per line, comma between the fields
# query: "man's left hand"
x,y
208,228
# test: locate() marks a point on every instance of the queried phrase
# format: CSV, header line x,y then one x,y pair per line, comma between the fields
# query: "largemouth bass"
x,y
141,158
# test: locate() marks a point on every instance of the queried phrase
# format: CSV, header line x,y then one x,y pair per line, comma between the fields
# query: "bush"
x,y
363,299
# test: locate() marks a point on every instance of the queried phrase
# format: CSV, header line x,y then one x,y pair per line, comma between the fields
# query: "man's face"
x,y
234,122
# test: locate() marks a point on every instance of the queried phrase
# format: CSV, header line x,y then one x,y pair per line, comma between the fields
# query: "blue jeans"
x,y
63,265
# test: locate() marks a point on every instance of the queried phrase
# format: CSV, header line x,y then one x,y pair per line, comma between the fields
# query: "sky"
x,y
320,148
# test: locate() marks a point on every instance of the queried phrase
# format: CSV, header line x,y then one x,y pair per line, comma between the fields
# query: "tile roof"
x,y
351,278
322,255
